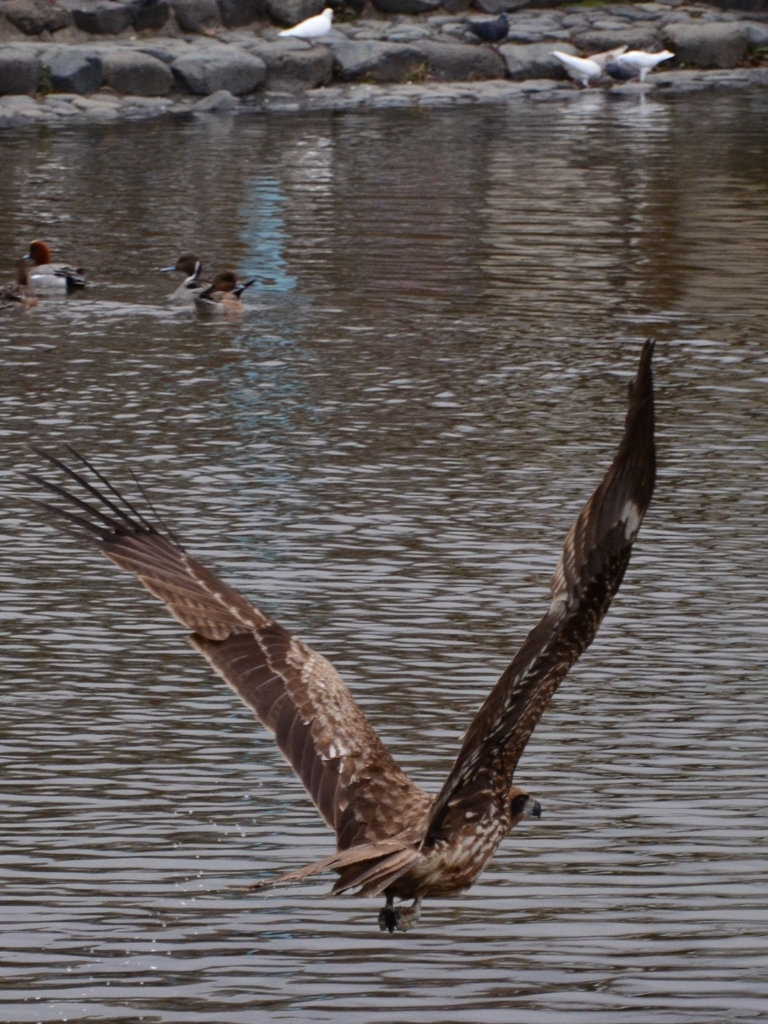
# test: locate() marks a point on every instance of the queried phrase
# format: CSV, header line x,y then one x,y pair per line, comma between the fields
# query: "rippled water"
x,y
387,452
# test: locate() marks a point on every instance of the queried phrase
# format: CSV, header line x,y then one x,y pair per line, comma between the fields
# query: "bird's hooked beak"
x,y
532,808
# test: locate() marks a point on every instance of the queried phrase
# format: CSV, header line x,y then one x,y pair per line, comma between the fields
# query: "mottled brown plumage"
x,y
392,837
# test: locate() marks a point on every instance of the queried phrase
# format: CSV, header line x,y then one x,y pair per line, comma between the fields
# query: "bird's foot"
x,y
388,918
400,918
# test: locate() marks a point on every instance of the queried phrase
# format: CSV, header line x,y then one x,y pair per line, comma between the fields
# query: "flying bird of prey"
x,y
393,838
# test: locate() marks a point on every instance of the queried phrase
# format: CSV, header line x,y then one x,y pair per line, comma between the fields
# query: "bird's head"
x,y
521,805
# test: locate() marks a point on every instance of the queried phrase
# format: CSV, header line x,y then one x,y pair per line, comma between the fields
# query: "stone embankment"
x,y
110,59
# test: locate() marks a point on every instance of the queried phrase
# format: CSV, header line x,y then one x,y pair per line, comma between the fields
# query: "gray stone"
x,y
101,17
377,62
497,6
757,33
743,5
642,36
709,45
74,69
19,70
234,13
406,6
166,50
234,70
290,69
196,15
149,14
217,102
454,62
35,16
291,12
534,60
136,73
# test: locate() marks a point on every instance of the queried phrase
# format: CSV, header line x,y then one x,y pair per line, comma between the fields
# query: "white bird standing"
x,y
639,62
581,69
311,28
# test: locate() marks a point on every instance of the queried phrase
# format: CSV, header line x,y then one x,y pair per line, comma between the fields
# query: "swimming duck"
x,y
18,294
223,296
52,278
190,265
311,28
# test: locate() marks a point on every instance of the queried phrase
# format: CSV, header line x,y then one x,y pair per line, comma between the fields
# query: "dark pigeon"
x,y
490,31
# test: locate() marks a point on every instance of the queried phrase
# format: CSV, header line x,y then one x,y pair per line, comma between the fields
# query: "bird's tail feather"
x,y
372,866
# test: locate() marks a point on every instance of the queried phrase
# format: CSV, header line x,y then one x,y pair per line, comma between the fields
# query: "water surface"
x,y
386,453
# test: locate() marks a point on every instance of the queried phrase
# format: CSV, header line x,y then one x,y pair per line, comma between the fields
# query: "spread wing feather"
x,y
595,556
294,692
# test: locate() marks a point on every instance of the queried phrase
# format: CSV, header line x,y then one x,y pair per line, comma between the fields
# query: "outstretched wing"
x,y
293,691
595,556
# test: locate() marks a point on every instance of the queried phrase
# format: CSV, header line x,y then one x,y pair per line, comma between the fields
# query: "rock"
x,y
136,73
74,69
406,6
376,62
534,60
101,17
497,6
217,102
456,62
293,69
149,14
713,44
291,12
634,37
234,13
19,70
757,32
35,16
196,15
742,5
234,70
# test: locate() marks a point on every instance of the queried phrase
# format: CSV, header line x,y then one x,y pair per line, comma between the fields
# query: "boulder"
x,y
634,37
234,70
757,33
234,13
136,73
291,12
534,60
35,16
376,62
293,69
406,6
709,44
19,70
196,15
457,62
497,6
101,17
217,103
149,14
74,69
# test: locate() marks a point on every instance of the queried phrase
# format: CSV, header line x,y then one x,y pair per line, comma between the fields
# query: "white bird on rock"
x,y
581,69
639,62
587,69
311,28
